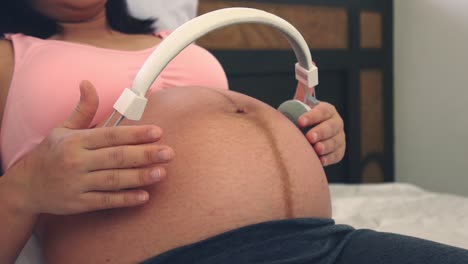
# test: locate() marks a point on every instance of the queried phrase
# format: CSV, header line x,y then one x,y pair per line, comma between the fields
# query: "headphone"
x,y
131,104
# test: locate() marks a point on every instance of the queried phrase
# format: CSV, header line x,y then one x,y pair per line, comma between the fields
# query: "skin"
x,y
22,201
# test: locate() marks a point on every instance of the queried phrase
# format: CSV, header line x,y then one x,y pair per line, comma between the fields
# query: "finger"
x,y
328,146
325,147
114,180
121,135
333,157
93,201
123,157
325,130
321,112
85,111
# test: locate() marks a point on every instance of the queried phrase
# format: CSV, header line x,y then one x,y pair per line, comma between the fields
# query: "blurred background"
x,y
431,94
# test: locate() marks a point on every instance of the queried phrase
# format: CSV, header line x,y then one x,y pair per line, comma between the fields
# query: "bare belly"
x,y
238,162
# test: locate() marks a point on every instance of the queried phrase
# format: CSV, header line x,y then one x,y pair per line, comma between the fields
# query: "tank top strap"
x,y
22,44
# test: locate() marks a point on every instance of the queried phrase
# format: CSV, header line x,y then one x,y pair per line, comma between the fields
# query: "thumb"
x,y
85,111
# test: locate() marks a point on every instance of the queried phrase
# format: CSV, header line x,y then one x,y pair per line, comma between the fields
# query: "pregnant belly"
x,y
238,162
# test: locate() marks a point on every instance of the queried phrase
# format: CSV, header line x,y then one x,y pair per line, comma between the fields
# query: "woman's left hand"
x,y
327,136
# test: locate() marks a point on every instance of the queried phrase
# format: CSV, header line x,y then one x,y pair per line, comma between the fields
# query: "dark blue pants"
x,y
311,241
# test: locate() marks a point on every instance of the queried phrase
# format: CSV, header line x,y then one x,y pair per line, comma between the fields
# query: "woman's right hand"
x,y
76,170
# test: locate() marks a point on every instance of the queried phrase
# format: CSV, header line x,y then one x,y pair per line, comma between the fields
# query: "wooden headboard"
x,y
351,42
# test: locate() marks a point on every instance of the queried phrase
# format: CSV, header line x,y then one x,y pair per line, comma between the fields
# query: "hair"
x,y
19,16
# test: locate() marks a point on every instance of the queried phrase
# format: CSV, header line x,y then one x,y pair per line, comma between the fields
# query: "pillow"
x,y
169,13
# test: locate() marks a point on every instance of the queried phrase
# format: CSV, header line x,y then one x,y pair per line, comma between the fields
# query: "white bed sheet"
x,y
403,209
397,208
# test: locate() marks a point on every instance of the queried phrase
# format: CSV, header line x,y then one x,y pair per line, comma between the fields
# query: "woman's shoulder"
x,y
6,62
6,48
6,71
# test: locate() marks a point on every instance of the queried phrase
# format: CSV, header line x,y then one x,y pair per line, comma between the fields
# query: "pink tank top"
x,y
47,73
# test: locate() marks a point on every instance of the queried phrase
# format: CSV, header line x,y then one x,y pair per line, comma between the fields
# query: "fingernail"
x,y
156,174
164,154
304,121
142,197
154,133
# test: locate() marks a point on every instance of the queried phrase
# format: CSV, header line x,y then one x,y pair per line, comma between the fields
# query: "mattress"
x,y
403,209
396,207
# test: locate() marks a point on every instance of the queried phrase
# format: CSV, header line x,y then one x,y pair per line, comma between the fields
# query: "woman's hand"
x,y
76,169
327,136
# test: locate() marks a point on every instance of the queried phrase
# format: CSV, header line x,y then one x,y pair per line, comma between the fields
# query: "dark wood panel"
x,y
322,27
372,118
373,173
371,29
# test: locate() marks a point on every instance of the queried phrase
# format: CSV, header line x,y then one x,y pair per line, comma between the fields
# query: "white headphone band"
x,y
132,102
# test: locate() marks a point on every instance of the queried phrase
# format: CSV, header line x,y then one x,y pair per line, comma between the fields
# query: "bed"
x,y
404,209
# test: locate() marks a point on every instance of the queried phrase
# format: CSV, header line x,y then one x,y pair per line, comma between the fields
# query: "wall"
x,y
431,94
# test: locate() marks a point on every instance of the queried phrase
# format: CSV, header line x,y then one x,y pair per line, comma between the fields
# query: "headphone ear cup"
x,y
293,109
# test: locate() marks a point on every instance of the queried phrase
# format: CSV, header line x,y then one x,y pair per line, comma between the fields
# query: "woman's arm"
x,y
6,72
15,225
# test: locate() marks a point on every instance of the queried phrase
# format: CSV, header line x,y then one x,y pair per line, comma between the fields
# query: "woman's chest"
x,y
46,86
